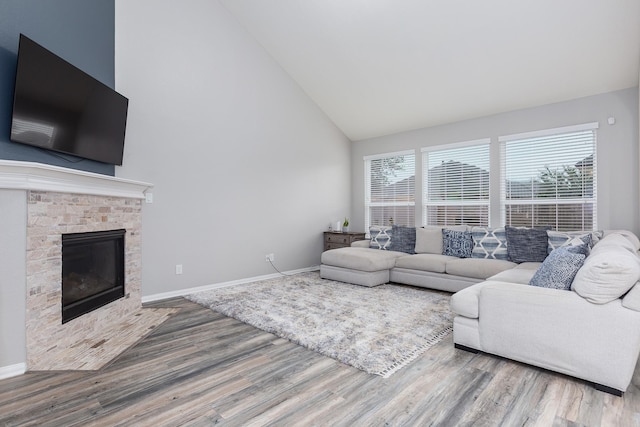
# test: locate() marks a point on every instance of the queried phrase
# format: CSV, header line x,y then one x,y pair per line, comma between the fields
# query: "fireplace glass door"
x,y
92,271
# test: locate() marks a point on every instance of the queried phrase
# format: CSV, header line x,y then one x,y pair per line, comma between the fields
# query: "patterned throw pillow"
x,y
380,237
558,239
457,243
526,244
558,270
404,239
579,245
489,243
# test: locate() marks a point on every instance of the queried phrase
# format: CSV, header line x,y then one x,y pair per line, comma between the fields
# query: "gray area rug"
x,y
378,330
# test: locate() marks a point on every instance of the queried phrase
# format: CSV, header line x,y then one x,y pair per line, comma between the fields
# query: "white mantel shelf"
x,y
37,176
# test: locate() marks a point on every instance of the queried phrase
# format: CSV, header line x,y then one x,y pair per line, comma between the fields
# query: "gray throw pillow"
x,y
457,243
527,244
429,240
558,270
404,239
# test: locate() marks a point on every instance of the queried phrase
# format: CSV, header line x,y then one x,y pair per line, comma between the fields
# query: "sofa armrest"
x,y
360,244
561,331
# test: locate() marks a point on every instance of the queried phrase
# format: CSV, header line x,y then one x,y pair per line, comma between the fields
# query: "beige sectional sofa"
x,y
591,331
362,265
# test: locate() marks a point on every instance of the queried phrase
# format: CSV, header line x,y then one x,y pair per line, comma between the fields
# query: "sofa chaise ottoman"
x,y
358,265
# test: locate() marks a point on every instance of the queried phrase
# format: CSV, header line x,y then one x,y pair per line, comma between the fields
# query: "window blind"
x,y
390,189
548,178
456,184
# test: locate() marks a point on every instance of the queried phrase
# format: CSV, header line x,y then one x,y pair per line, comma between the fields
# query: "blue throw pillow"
x,y
457,243
558,270
404,239
526,244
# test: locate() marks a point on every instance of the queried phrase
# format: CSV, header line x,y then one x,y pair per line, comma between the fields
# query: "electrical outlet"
x,y
269,257
178,268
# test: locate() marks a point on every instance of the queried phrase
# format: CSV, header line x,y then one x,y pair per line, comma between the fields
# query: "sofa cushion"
x,y
558,270
521,276
429,240
614,240
457,243
607,275
380,237
526,244
404,239
362,259
528,266
477,268
425,262
628,235
489,243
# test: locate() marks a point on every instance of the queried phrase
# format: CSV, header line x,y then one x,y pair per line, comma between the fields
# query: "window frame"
x,y
484,143
368,204
557,201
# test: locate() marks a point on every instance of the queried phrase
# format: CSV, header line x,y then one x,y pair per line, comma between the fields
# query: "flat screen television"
x,y
58,107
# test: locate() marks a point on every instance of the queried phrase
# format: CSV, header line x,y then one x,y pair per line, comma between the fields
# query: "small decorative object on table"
x,y
345,225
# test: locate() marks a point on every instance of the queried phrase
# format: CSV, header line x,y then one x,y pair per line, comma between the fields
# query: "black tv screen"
x,y
61,108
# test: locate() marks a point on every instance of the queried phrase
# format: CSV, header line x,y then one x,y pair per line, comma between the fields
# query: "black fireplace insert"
x,y
92,271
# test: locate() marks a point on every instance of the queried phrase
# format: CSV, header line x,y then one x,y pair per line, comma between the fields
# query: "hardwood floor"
x,y
200,368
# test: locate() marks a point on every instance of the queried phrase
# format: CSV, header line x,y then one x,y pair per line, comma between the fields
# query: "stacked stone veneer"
x,y
49,215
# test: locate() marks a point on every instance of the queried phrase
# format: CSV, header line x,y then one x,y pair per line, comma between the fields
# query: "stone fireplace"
x,y
62,202
49,216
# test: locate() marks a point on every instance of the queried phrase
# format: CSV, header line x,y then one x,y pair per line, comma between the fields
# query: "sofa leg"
x,y
465,348
609,390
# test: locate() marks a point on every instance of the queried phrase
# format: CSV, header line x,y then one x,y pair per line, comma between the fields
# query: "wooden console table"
x,y
337,239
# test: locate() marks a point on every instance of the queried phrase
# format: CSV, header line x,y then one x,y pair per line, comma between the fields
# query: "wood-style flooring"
x,y
200,368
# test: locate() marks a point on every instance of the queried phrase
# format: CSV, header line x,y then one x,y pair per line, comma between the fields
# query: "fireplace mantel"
x,y
37,176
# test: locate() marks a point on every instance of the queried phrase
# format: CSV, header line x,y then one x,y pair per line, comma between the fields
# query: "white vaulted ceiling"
x,y
378,67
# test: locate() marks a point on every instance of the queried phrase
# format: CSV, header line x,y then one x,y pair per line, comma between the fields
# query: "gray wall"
x,y
13,229
243,162
81,32
617,151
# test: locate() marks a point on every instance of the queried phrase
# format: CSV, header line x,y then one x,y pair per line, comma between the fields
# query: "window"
x,y
456,184
548,178
390,189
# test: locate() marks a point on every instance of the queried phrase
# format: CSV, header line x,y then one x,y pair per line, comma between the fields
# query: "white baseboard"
x,y
12,370
182,292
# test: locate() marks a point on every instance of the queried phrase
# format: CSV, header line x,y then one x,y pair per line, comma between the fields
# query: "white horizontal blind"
x,y
549,179
390,189
456,184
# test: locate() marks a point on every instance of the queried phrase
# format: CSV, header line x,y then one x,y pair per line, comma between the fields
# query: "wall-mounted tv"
x,y
58,107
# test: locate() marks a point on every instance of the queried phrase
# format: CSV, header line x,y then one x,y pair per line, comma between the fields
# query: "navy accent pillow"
x,y
527,244
558,270
457,243
404,239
